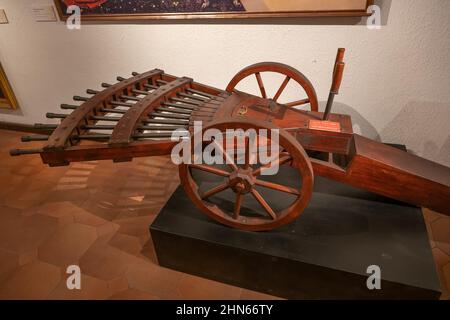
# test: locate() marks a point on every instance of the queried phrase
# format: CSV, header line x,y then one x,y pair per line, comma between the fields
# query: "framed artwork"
x,y
7,97
196,9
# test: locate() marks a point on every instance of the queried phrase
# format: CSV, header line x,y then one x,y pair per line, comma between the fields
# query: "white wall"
x,y
396,85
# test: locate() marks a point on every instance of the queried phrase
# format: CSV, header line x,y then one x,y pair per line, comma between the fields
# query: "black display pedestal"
x,y
322,255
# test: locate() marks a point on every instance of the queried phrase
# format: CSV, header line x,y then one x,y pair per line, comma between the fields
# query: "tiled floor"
x,y
96,215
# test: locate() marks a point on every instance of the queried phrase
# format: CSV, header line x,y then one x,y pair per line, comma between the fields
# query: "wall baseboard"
x,y
13,126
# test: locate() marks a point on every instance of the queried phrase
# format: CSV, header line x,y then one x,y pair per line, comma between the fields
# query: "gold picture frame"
x,y
103,10
7,98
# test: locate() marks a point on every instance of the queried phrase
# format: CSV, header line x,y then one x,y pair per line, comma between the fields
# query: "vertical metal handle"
x,y
338,74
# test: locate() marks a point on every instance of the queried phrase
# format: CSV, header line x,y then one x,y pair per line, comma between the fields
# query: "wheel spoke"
x,y
215,190
247,153
298,103
261,85
253,151
263,203
280,91
237,207
278,187
209,169
228,159
280,161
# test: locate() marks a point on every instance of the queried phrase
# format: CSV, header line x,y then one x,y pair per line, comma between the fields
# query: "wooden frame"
x,y
148,113
7,98
309,11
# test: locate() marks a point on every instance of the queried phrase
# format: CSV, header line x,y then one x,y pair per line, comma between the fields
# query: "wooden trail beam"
x,y
393,173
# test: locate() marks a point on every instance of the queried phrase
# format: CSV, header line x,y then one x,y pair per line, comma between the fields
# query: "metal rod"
x,y
162,82
173,110
35,138
92,137
134,73
161,128
159,121
41,126
166,121
19,152
56,115
330,101
189,107
106,85
195,103
200,93
136,136
98,127
139,92
169,115
181,106
90,91
154,135
181,94
120,103
120,78
104,118
113,111
78,98
149,86
68,106
130,98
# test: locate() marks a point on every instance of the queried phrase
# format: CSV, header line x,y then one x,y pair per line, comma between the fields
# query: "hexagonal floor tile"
x,y
32,281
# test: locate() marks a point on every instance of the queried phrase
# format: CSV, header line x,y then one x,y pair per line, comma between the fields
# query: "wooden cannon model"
x,y
136,117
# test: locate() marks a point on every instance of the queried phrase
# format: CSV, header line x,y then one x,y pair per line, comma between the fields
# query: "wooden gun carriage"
x,y
137,116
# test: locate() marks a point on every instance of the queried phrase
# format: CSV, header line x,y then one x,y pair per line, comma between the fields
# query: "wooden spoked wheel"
x,y
242,181
290,74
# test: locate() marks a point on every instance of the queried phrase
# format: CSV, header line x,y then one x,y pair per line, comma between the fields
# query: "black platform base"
x,y
322,255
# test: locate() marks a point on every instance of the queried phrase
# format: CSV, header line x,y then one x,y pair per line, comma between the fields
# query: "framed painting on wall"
x,y
196,9
7,97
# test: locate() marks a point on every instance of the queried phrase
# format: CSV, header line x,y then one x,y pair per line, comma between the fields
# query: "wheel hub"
x,y
242,180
